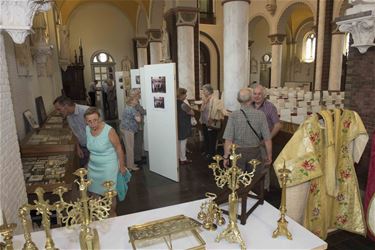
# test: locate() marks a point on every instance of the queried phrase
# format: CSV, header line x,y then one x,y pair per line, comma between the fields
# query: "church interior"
x,y
310,56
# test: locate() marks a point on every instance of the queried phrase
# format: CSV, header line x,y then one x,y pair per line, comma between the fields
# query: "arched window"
x,y
102,66
309,45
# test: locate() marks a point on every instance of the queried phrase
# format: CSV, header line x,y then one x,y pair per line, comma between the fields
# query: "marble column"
x,y
320,45
235,49
154,38
335,68
186,20
142,43
16,20
277,57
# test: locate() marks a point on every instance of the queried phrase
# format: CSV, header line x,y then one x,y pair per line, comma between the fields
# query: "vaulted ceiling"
x,y
128,7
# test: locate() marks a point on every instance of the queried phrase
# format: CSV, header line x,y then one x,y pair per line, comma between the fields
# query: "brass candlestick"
x,y
44,208
23,213
85,210
210,212
282,223
232,176
6,230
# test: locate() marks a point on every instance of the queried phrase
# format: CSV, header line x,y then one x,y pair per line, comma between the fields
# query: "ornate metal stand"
x,y
282,223
85,210
232,176
6,230
23,213
210,212
42,207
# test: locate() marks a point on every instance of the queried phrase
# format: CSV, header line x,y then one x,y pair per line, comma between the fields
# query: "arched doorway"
x,y
204,65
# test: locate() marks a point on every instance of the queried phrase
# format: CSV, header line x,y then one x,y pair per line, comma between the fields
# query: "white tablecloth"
x,y
257,233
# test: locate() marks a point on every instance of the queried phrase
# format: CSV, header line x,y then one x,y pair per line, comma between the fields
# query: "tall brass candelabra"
x,y
85,210
282,223
232,176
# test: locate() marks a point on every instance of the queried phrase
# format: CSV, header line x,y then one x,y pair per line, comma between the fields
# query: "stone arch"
x,y
339,8
156,14
254,20
303,26
210,43
141,23
286,12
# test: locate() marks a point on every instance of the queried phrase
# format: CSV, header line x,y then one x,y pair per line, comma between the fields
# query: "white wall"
x,y
25,89
101,27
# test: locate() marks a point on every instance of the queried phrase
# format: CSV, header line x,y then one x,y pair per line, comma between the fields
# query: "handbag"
x,y
248,122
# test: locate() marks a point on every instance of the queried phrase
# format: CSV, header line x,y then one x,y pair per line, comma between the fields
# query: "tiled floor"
x,y
148,190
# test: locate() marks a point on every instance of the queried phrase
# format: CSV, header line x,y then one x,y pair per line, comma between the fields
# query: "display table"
x,y
257,232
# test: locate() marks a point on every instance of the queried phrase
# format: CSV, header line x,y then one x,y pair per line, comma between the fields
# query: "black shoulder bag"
x,y
248,122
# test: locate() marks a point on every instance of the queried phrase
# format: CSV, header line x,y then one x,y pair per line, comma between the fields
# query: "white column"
x,y
335,69
235,50
277,57
17,18
142,43
320,45
154,39
186,19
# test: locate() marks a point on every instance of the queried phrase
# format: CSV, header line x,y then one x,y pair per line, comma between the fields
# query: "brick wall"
x,y
12,185
359,96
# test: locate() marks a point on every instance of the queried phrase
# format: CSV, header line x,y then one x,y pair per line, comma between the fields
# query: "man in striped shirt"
x,y
273,120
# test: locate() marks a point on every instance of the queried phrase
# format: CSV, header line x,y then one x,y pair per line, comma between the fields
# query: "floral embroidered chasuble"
x,y
323,192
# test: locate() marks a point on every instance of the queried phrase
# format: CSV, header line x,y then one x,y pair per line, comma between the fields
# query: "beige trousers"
x,y
128,138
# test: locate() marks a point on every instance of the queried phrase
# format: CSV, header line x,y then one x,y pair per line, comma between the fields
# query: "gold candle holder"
x,y
210,212
232,176
282,223
85,210
23,213
7,230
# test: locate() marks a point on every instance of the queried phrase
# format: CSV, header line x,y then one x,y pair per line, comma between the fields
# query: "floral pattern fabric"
x,y
322,211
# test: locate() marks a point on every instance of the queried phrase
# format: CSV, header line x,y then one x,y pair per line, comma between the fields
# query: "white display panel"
x,y
160,90
135,78
143,103
120,92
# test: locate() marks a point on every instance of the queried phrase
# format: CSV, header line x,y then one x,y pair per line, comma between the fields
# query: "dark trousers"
x,y
92,99
210,139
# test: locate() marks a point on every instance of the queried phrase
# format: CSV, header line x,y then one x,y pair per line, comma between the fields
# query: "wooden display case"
x,y
49,170
48,141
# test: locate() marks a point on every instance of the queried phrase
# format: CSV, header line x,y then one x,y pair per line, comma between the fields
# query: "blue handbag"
x,y
122,184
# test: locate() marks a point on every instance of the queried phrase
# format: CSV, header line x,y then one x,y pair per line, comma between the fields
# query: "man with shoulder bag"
x,y
247,128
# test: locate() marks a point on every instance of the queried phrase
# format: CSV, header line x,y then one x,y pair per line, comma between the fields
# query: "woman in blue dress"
x,y
106,154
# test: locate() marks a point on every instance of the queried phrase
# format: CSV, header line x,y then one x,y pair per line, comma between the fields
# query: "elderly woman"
x,y
139,157
184,114
211,116
130,120
106,155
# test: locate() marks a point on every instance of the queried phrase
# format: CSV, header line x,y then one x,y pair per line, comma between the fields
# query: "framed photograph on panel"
x,y
135,78
40,110
158,84
30,119
159,102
